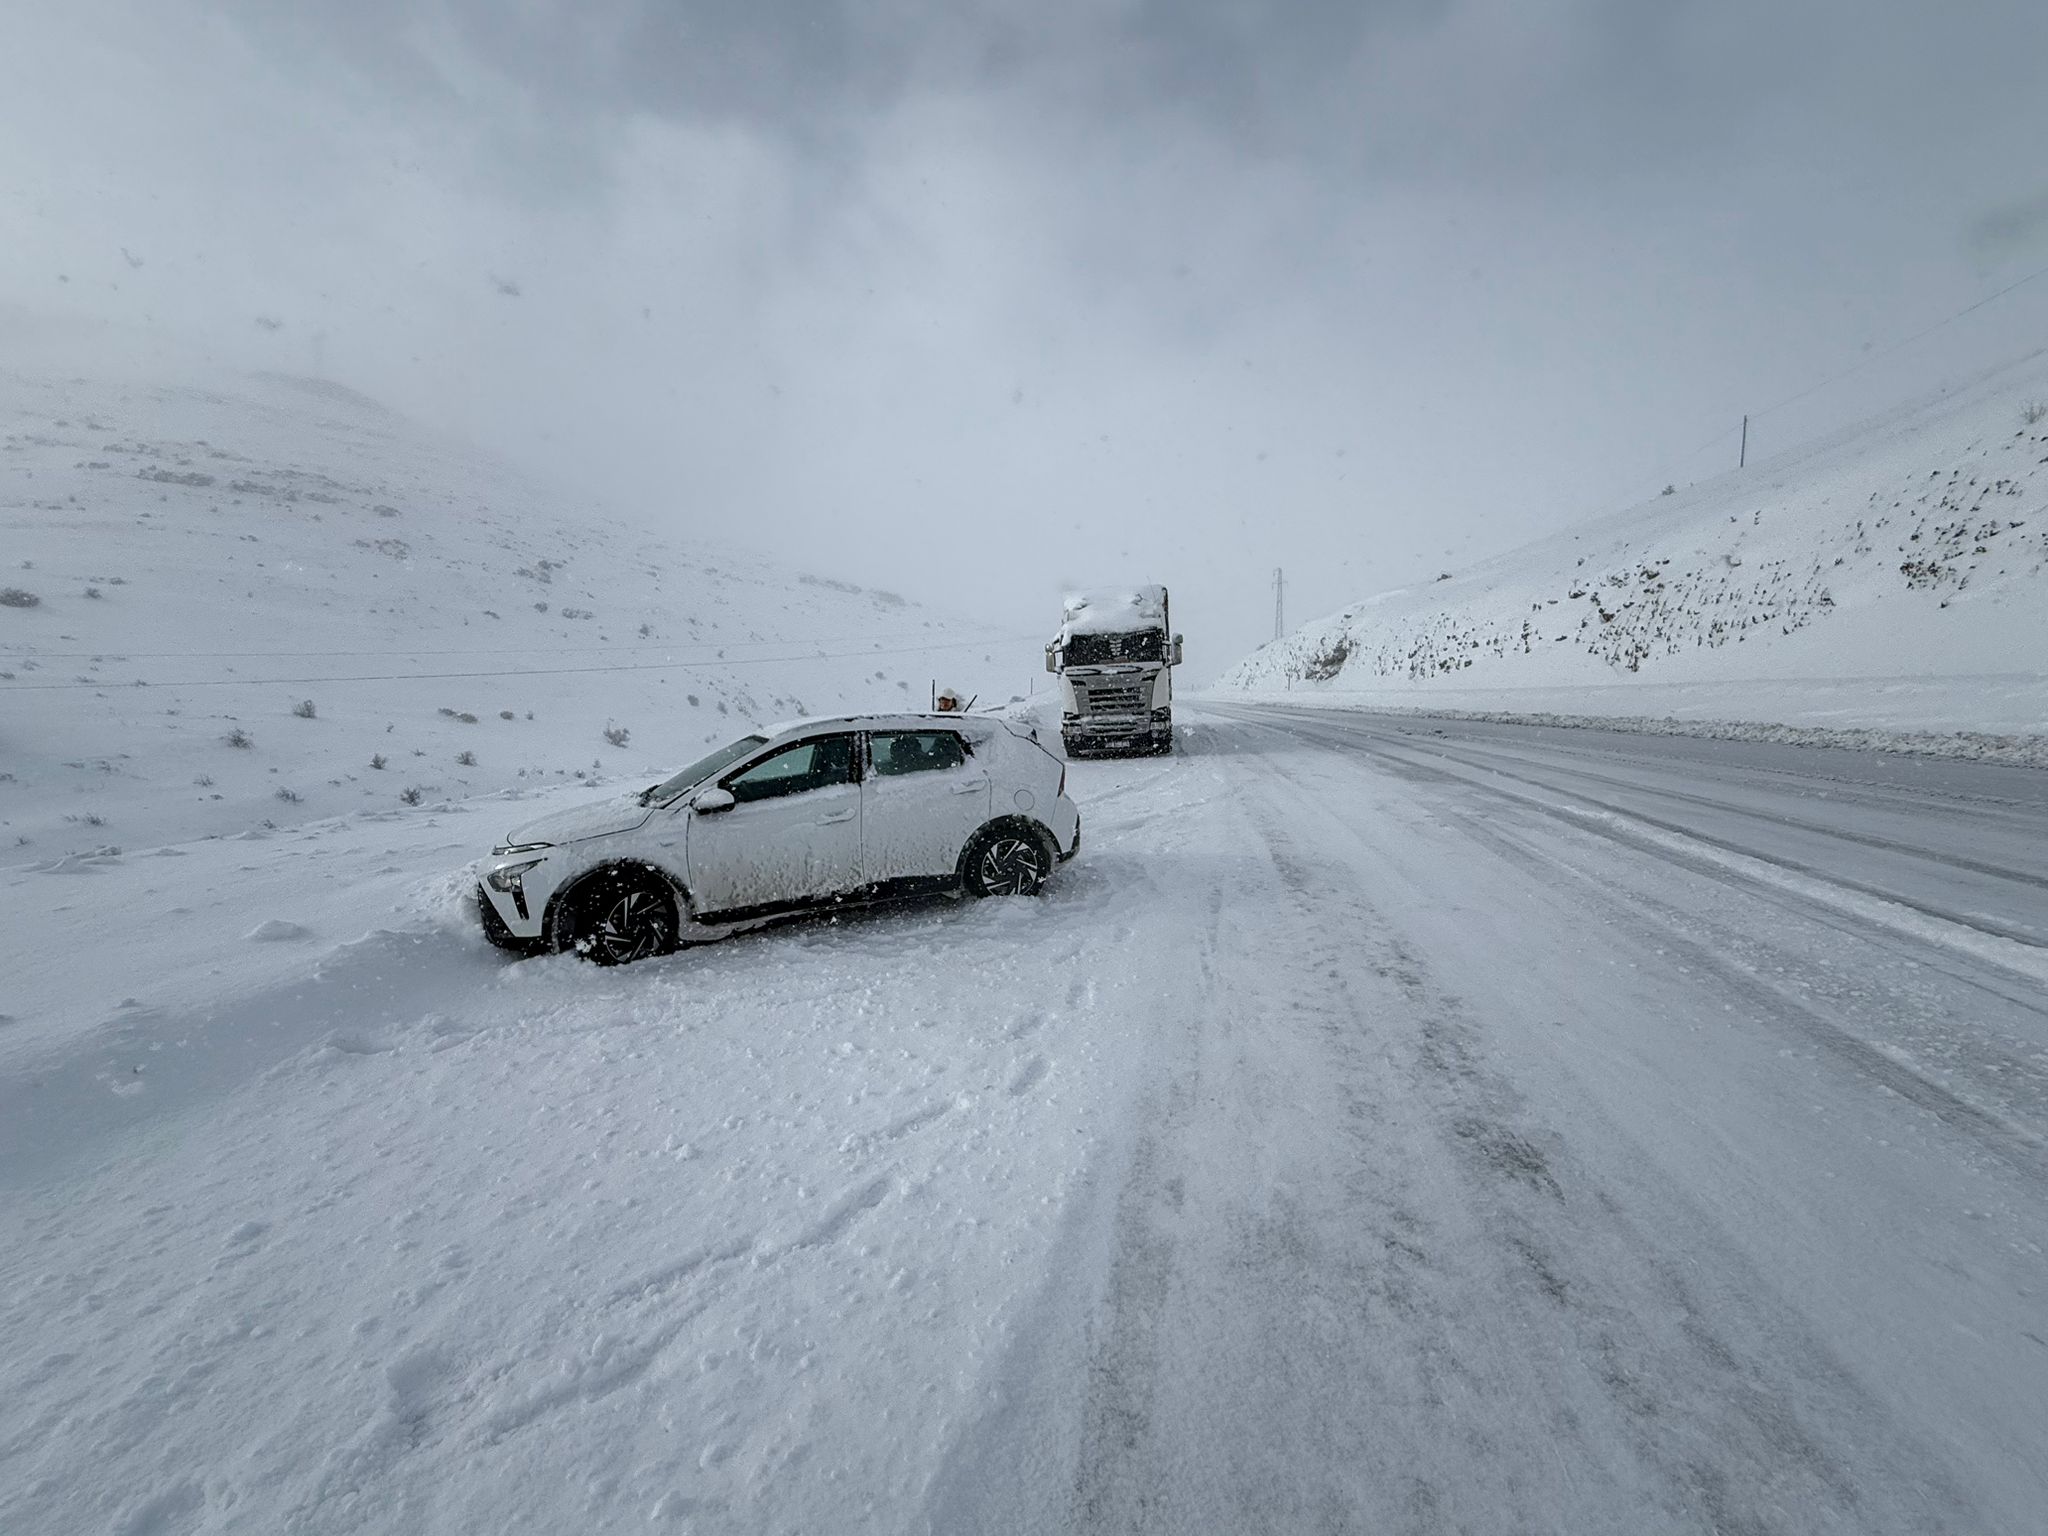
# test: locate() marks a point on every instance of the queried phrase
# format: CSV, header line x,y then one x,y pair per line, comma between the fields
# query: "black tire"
x,y
616,918
1008,860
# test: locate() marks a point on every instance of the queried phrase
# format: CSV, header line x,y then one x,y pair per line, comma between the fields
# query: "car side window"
x,y
805,766
900,752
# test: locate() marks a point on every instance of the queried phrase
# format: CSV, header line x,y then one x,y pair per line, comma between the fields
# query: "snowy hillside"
x,y
245,604
1894,577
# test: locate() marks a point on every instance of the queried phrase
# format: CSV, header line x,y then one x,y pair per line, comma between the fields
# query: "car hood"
x,y
581,821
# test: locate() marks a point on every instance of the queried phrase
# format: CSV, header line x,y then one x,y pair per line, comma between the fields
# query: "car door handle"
x,y
976,788
826,821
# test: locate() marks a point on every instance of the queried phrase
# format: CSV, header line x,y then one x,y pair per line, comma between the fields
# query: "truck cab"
x,y
1114,655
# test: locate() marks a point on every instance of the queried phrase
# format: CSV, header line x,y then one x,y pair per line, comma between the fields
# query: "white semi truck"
x,y
1115,655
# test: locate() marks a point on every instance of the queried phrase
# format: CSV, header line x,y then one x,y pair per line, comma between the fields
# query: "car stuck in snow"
x,y
812,814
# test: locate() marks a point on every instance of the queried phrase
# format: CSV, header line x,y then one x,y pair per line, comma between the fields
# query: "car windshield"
x,y
702,769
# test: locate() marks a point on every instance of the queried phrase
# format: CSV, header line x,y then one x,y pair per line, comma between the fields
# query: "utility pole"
x,y
1743,462
1279,602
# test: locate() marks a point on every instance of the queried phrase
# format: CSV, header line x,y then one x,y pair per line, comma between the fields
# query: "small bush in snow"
x,y
92,592
289,796
411,795
377,761
506,714
240,738
15,597
2033,411
459,714
617,735
204,781
467,759
303,709
1669,490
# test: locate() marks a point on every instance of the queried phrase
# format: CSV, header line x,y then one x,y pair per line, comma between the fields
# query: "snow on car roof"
x,y
1115,610
896,720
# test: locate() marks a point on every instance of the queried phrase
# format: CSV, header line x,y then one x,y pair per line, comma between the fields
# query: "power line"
x,y
426,677
1905,341
1867,359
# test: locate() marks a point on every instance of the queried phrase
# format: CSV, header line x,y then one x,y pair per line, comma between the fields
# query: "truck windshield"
x,y
1094,650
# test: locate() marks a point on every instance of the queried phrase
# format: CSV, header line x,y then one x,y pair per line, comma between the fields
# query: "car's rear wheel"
x,y
617,918
1006,861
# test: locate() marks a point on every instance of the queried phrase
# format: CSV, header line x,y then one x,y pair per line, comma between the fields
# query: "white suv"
x,y
813,814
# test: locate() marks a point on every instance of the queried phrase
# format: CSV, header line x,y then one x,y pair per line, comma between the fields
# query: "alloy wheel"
x,y
633,925
1012,866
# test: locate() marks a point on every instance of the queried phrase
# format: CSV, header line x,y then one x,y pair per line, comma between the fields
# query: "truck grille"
x,y
1097,650
1116,698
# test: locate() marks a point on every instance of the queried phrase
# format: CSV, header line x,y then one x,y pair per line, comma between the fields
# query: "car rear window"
x,y
901,752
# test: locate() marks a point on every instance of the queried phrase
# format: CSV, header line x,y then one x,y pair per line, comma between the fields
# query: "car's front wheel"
x,y
1006,861
616,918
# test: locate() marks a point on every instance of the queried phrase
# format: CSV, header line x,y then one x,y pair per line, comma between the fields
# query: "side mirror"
x,y
1052,658
1173,655
713,800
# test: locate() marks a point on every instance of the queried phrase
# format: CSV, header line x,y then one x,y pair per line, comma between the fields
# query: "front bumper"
x,y
1090,732
520,911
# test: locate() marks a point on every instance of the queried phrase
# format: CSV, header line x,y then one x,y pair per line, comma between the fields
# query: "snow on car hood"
x,y
580,821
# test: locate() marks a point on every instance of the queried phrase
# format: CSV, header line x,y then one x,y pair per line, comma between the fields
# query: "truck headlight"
x,y
509,878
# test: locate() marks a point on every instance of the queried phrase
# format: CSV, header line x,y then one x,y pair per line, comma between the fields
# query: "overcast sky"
x,y
975,300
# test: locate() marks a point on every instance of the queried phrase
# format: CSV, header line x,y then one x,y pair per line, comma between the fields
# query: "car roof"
x,y
979,726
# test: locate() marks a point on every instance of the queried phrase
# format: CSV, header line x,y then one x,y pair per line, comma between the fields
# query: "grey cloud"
x,y
924,285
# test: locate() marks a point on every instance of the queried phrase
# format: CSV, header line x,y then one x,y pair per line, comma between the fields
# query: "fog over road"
x,y
1385,1125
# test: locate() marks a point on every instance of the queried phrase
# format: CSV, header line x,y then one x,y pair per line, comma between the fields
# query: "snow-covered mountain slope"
x,y
249,602
1895,577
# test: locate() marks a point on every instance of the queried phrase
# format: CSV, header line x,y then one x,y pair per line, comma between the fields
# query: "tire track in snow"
x,y
1659,924
1596,1277
1385,750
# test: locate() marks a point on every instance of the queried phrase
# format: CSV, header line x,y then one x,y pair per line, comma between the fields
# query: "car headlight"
x,y
504,848
508,877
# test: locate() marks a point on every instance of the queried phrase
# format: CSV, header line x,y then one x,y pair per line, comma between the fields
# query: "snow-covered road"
x,y
1384,1126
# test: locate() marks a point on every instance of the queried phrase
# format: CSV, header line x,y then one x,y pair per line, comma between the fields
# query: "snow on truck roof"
x,y
1115,610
